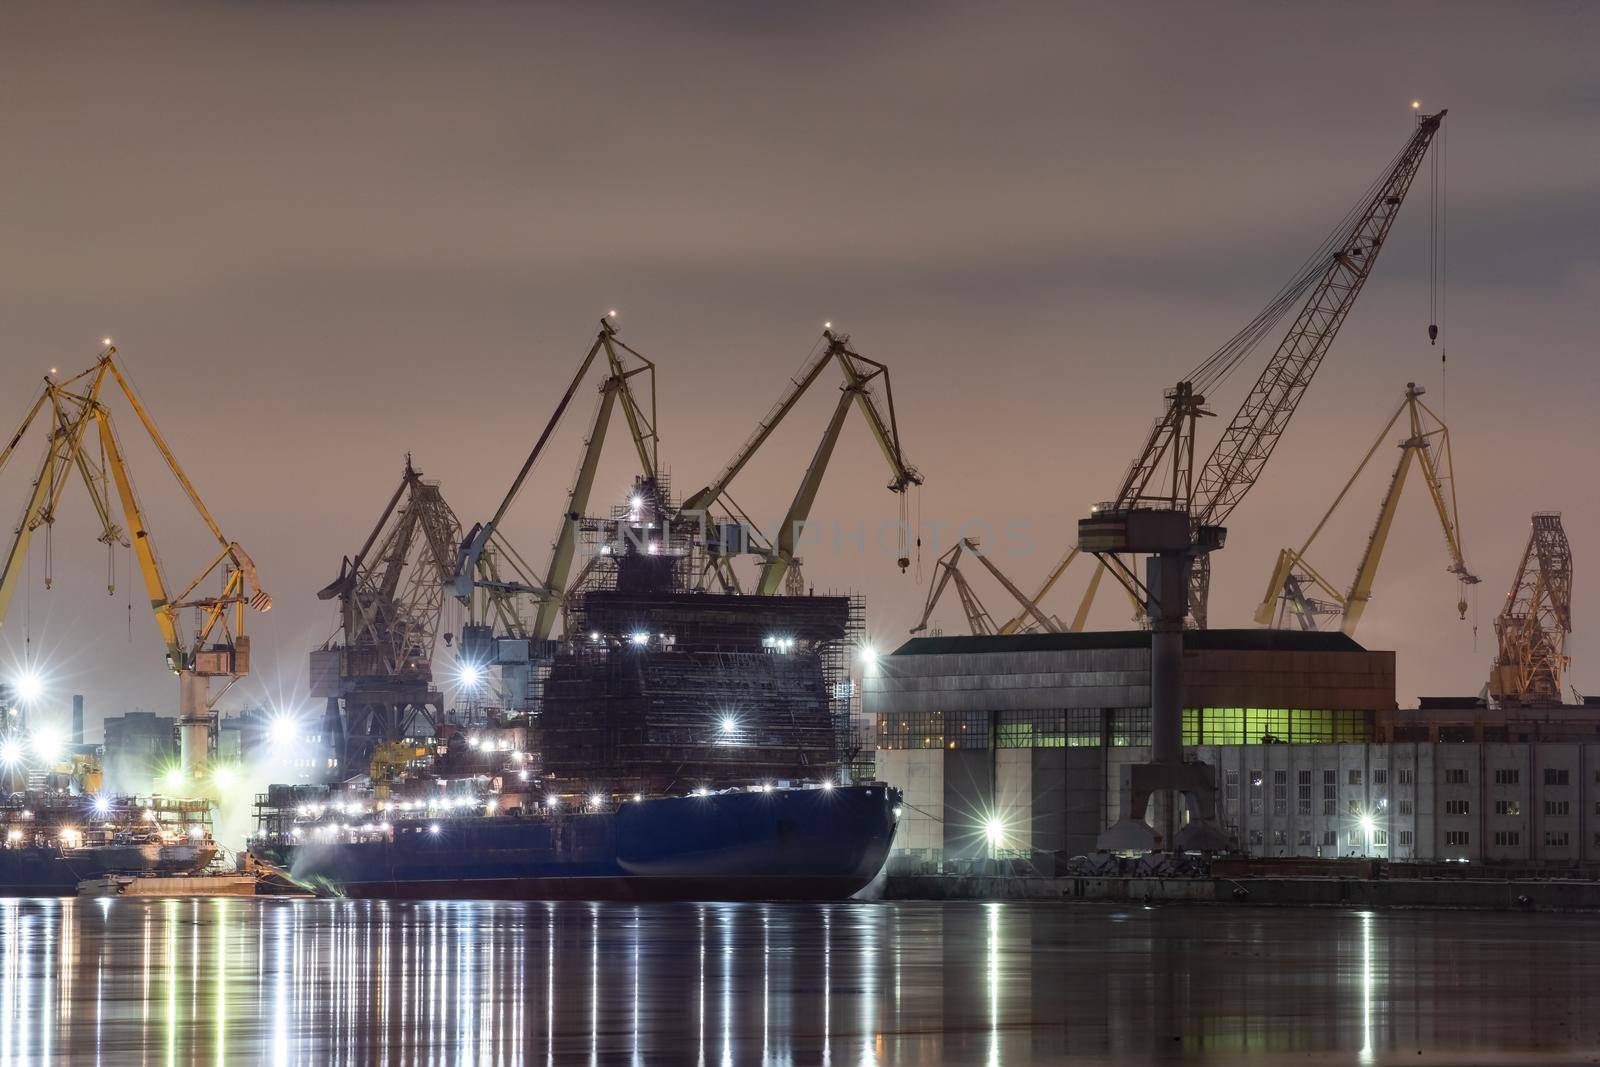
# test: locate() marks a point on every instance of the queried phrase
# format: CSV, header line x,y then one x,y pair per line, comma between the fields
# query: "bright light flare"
x,y
10,752
597,801
173,778
102,805
471,676
29,686
868,655
283,729
1368,824
729,724
48,745
994,831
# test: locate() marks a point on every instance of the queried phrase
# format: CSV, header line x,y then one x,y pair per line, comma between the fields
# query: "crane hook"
x,y
1433,333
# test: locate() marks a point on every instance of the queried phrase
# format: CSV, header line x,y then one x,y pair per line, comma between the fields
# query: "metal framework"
x,y
777,558
1292,593
1167,510
1030,617
377,671
1532,628
1163,476
477,566
216,646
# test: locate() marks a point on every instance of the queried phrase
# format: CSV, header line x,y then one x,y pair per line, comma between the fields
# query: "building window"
x,y
1457,838
1303,793
1557,807
1555,776
1404,806
1355,809
1507,838
1305,838
1280,793
1403,776
1455,776
1255,837
1130,726
1280,837
1405,838
1230,786
1355,776
1330,792
1330,839
1380,776
1380,838
1507,807
1255,792
1083,728
1458,807
1507,776
1555,839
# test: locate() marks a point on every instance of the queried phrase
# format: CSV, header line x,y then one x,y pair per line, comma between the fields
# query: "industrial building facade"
x,y
1015,744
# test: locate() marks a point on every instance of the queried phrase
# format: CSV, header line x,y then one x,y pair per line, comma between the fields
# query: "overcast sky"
x,y
324,234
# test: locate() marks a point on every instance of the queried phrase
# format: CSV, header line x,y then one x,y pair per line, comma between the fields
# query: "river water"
x,y
349,982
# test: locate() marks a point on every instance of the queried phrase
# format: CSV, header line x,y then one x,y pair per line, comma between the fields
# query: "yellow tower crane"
x,y
217,646
1297,590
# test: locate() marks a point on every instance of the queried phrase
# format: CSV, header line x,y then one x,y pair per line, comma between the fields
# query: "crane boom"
x,y
1236,462
1532,628
217,647
1427,444
860,374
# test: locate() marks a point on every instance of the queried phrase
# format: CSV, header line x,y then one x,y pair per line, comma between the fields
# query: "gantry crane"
x,y
1532,628
476,579
1173,513
376,672
217,647
1292,592
777,557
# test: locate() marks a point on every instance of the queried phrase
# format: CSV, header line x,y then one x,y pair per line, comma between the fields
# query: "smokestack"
x,y
77,718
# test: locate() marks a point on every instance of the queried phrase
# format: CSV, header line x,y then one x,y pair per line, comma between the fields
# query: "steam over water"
x,y
343,982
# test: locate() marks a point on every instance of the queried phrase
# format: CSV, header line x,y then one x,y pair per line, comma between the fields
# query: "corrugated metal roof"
x,y
1224,640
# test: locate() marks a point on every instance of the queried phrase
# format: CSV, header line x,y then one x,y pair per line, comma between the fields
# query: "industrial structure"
x,y
1173,513
663,687
376,672
1297,590
1016,745
727,538
1532,628
216,647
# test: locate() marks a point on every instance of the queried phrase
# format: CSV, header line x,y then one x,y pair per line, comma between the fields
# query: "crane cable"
x,y
1216,368
1438,275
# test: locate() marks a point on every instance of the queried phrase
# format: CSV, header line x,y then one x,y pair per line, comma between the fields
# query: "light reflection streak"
x,y
1367,1055
326,983
594,983
550,985
727,987
636,971
994,983
827,985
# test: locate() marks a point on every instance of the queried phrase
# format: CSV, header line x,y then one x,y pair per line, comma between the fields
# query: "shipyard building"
x,y
1014,745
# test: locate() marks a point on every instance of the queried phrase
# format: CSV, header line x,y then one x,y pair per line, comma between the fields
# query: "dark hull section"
x,y
56,872
800,844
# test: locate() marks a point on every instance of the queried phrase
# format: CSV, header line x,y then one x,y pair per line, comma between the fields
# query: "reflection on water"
x,y
344,982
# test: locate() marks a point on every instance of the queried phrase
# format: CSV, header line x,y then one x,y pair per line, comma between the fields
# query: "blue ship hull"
x,y
787,844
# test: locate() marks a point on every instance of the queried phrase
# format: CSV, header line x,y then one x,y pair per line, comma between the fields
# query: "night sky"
x,y
324,234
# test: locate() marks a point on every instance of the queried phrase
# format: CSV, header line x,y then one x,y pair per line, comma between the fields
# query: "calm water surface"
x,y
341,982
